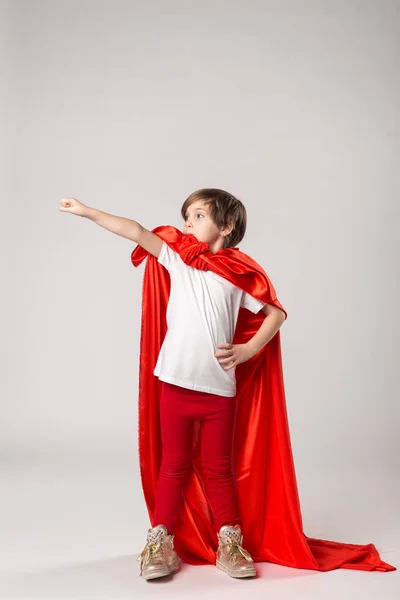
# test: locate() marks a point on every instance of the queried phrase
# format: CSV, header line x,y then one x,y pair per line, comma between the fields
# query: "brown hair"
x,y
224,209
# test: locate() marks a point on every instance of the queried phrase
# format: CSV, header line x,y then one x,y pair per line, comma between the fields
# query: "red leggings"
x,y
179,409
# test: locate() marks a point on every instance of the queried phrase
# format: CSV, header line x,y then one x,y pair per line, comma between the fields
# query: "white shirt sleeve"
x,y
251,303
167,257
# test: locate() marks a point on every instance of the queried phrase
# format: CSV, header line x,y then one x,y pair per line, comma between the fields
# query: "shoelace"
x,y
235,549
151,549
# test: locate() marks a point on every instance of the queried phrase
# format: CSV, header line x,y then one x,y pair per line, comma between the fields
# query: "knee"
x,y
218,468
175,469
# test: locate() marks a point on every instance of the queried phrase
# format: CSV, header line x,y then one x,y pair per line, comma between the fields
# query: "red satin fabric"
x,y
266,481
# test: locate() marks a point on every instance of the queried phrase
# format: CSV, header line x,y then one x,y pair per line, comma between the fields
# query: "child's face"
x,y
198,223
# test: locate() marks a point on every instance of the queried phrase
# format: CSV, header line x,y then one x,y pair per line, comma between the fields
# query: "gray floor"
x,y
73,529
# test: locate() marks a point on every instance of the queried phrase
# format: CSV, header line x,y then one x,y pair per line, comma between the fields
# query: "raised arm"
x,y
127,228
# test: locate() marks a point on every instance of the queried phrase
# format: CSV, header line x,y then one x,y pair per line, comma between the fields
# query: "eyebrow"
x,y
197,209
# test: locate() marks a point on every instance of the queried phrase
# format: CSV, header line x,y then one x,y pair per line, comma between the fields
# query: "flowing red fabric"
x,y
263,463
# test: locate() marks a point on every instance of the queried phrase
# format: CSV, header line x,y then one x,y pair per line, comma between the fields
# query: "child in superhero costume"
x,y
214,444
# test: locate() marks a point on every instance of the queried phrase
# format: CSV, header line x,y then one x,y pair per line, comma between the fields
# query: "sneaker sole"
x,y
160,573
250,573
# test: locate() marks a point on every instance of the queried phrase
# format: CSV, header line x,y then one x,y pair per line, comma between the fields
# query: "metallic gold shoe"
x,y
231,557
158,558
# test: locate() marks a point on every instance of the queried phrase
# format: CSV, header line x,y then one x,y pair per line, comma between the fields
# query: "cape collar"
x,y
198,254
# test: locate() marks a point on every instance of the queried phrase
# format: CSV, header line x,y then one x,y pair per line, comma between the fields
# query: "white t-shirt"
x,y
202,312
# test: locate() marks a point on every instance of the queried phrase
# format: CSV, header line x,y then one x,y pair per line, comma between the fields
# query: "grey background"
x,y
129,107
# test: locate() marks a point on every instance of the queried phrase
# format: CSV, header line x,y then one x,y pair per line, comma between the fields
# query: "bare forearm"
x,y
268,329
126,228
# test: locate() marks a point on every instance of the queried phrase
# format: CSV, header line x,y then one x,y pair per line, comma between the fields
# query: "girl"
x,y
214,444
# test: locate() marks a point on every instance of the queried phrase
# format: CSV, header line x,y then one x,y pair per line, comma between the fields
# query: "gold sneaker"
x,y
158,558
231,557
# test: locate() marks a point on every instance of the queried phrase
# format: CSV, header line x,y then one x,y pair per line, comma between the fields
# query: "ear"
x,y
228,230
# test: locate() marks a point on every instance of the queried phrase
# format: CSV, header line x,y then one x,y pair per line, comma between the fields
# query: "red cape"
x,y
263,463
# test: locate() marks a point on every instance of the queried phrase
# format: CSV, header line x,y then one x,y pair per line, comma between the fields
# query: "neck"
x,y
218,245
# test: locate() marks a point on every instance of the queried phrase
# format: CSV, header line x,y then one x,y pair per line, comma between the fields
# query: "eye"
x,y
198,215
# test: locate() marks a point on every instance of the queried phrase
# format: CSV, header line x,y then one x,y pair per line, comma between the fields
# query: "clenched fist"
x,y
72,205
